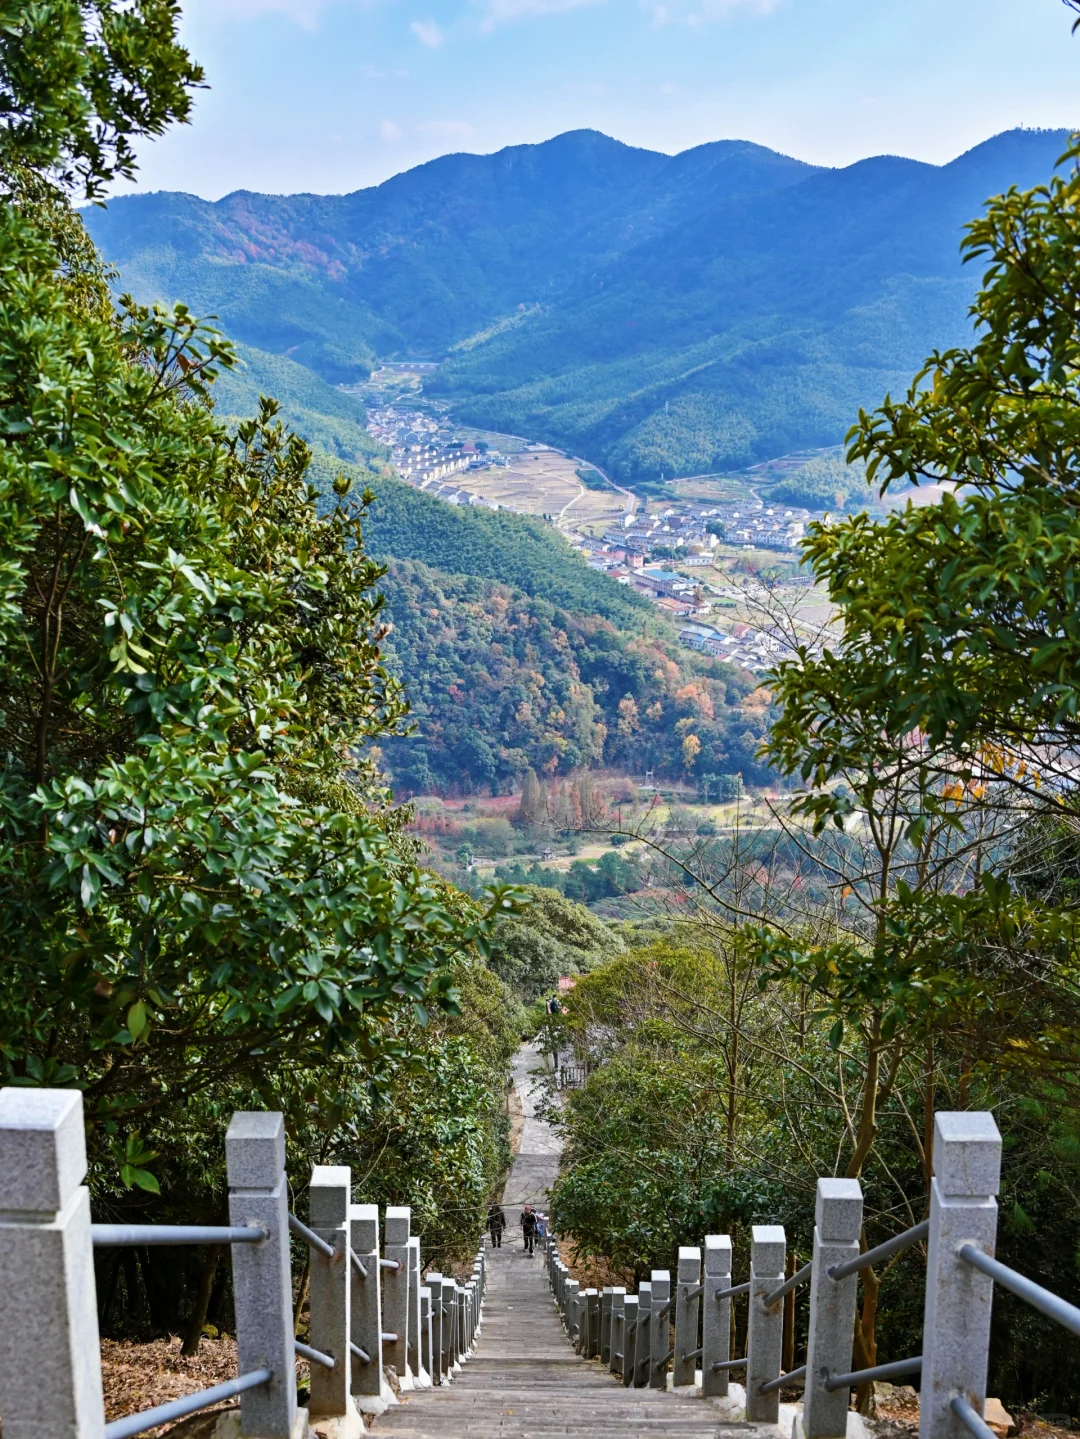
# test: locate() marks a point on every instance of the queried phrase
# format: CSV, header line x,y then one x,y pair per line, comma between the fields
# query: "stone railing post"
x,y
396,1222
573,1288
593,1349
262,1277
462,1331
427,1360
716,1316
329,1301
438,1369
660,1328
687,1315
765,1331
605,1325
371,1394
630,1339
956,1325
414,1356
837,1226
618,1309
50,1355
643,1347
449,1318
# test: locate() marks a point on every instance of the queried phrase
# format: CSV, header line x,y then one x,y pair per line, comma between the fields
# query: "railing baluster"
x,y
631,1306
605,1325
716,1316
643,1347
659,1326
618,1305
837,1226
50,1356
328,1304
687,1314
765,1336
371,1393
956,1326
262,1276
396,1222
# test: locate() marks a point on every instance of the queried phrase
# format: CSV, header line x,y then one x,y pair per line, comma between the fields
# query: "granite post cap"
x,y
717,1254
331,1186
838,1210
768,1248
967,1153
396,1223
255,1149
42,1148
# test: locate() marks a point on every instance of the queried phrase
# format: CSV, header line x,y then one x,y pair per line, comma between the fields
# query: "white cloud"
x,y
428,33
388,131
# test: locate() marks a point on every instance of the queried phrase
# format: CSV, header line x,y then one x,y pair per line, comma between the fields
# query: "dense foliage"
x,y
207,901
710,1107
502,681
657,314
331,420
407,524
824,483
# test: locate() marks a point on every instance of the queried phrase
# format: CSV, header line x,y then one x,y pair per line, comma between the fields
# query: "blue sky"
x,y
332,95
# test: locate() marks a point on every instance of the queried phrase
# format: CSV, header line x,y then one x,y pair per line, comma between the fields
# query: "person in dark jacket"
x,y
496,1224
528,1228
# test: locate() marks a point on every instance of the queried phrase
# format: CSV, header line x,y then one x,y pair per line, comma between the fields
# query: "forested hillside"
x,y
658,314
331,420
501,681
407,524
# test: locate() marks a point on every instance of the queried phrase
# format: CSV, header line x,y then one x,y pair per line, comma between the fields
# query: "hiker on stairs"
x,y
528,1228
496,1222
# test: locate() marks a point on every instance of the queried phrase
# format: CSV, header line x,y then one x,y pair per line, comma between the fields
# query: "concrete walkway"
x,y
524,1381
536,1164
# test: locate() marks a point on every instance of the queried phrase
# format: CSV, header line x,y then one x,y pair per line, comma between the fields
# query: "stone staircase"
x,y
525,1380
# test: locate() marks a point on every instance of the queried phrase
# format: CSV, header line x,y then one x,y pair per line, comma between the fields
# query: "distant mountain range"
x,y
658,314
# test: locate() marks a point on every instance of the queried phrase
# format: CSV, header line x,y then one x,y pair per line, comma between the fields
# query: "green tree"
x,y
199,876
552,936
81,79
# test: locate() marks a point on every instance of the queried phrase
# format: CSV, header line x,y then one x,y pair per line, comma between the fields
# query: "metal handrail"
x,y
663,1309
315,1356
693,1293
1044,1300
970,1419
108,1235
896,1245
743,1288
666,1360
310,1238
687,1357
800,1277
189,1404
357,1263
361,1354
389,1338
728,1364
792,1378
879,1371
389,1264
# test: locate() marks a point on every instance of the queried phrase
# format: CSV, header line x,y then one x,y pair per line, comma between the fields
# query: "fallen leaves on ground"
x,y
139,1376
